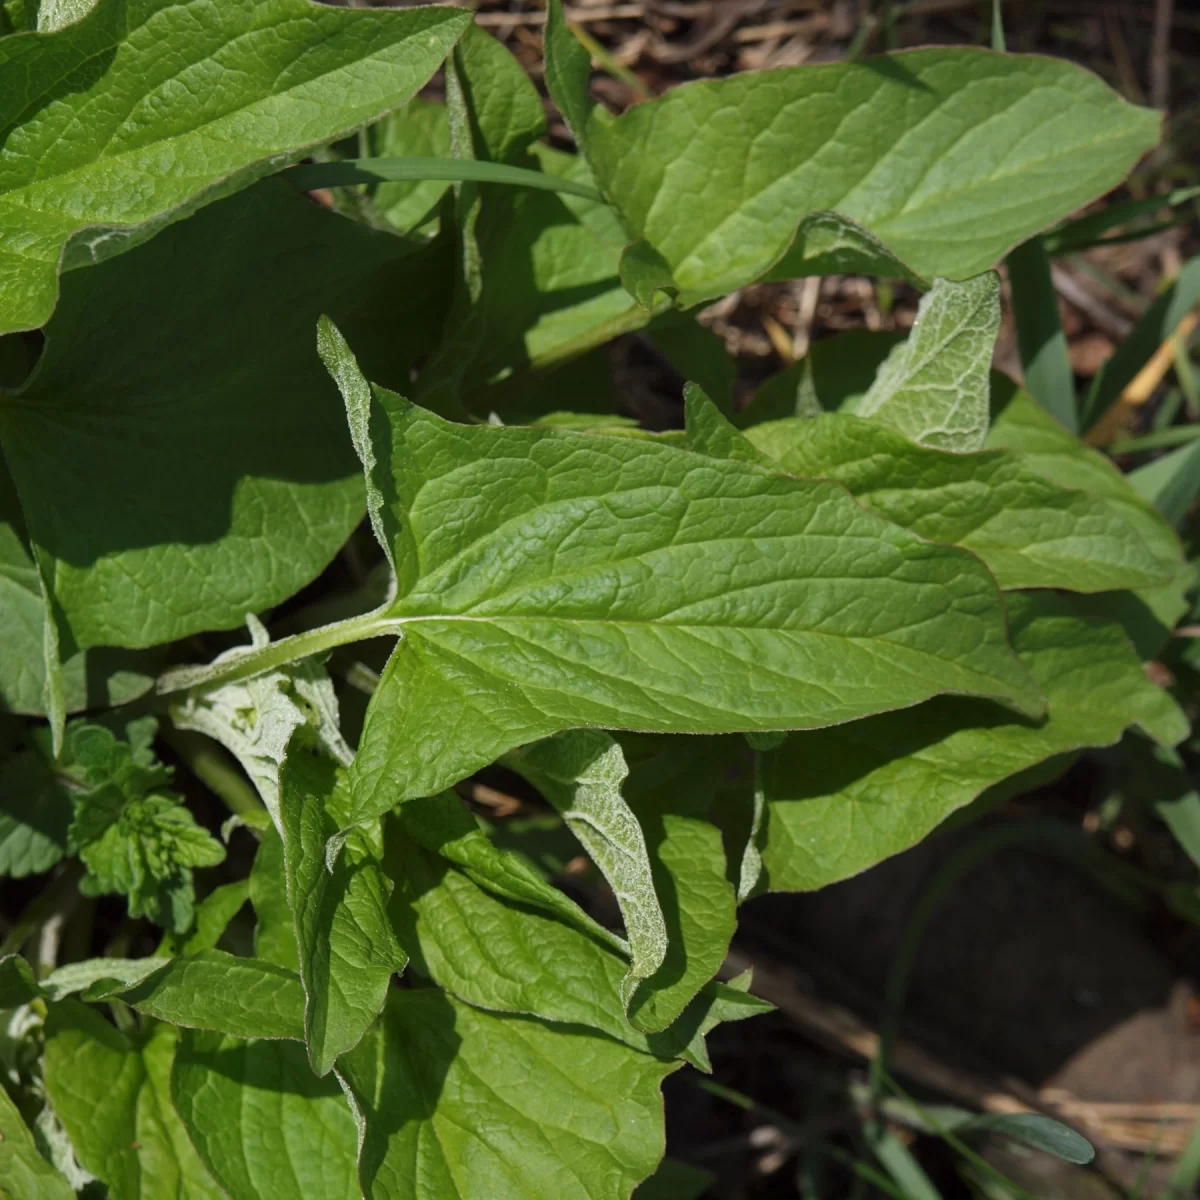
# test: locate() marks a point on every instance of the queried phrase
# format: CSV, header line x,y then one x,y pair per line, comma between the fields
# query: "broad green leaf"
x,y
840,800
99,678
512,957
1149,613
348,952
581,773
113,1098
698,354
24,1173
35,813
941,158
17,983
179,454
263,1123
549,580
274,932
216,991
101,974
459,1103
417,130
108,135
933,387
1029,531
213,915
671,786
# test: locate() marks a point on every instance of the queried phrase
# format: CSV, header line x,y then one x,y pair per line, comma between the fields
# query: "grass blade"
x,y
350,171
1044,359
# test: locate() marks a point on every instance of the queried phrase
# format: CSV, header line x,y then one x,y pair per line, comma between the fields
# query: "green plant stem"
x,y
601,55
998,42
43,905
209,763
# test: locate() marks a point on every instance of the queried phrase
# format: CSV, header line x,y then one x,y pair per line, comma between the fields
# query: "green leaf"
x,y
263,1123
35,813
348,952
216,991
1033,1129
179,454
113,1098
1170,483
698,354
17,983
99,974
1029,531
213,915
23,1171
106,135
461,1103
549,580
581,773
419,129
832,795
1045,362
1149,613
274,933
946,157
834,374
492,950
1153,328
933,387
671,786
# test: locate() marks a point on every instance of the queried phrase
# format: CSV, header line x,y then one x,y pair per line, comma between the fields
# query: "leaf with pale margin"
x,y
550,580
671,786
348,951
24,1173
843,799
108,135
580,772
934,387
458,1103
943,159
1148,613
180,456
213,990
113,1098
1029,531
293,1136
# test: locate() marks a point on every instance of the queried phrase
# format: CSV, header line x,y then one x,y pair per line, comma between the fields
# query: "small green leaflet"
x,y
459,1103
831,796
108,135
934,387
941,159
113,1097
548,579
23,1171
581,772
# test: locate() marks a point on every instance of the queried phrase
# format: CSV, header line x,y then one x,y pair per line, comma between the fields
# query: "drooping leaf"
x,y
106,134
933,387
946,158
263,1123
840,800
217,991
549,580
1029,531
671,786
581,773
180,455
460,1103
113,1098
23,1171
348,952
